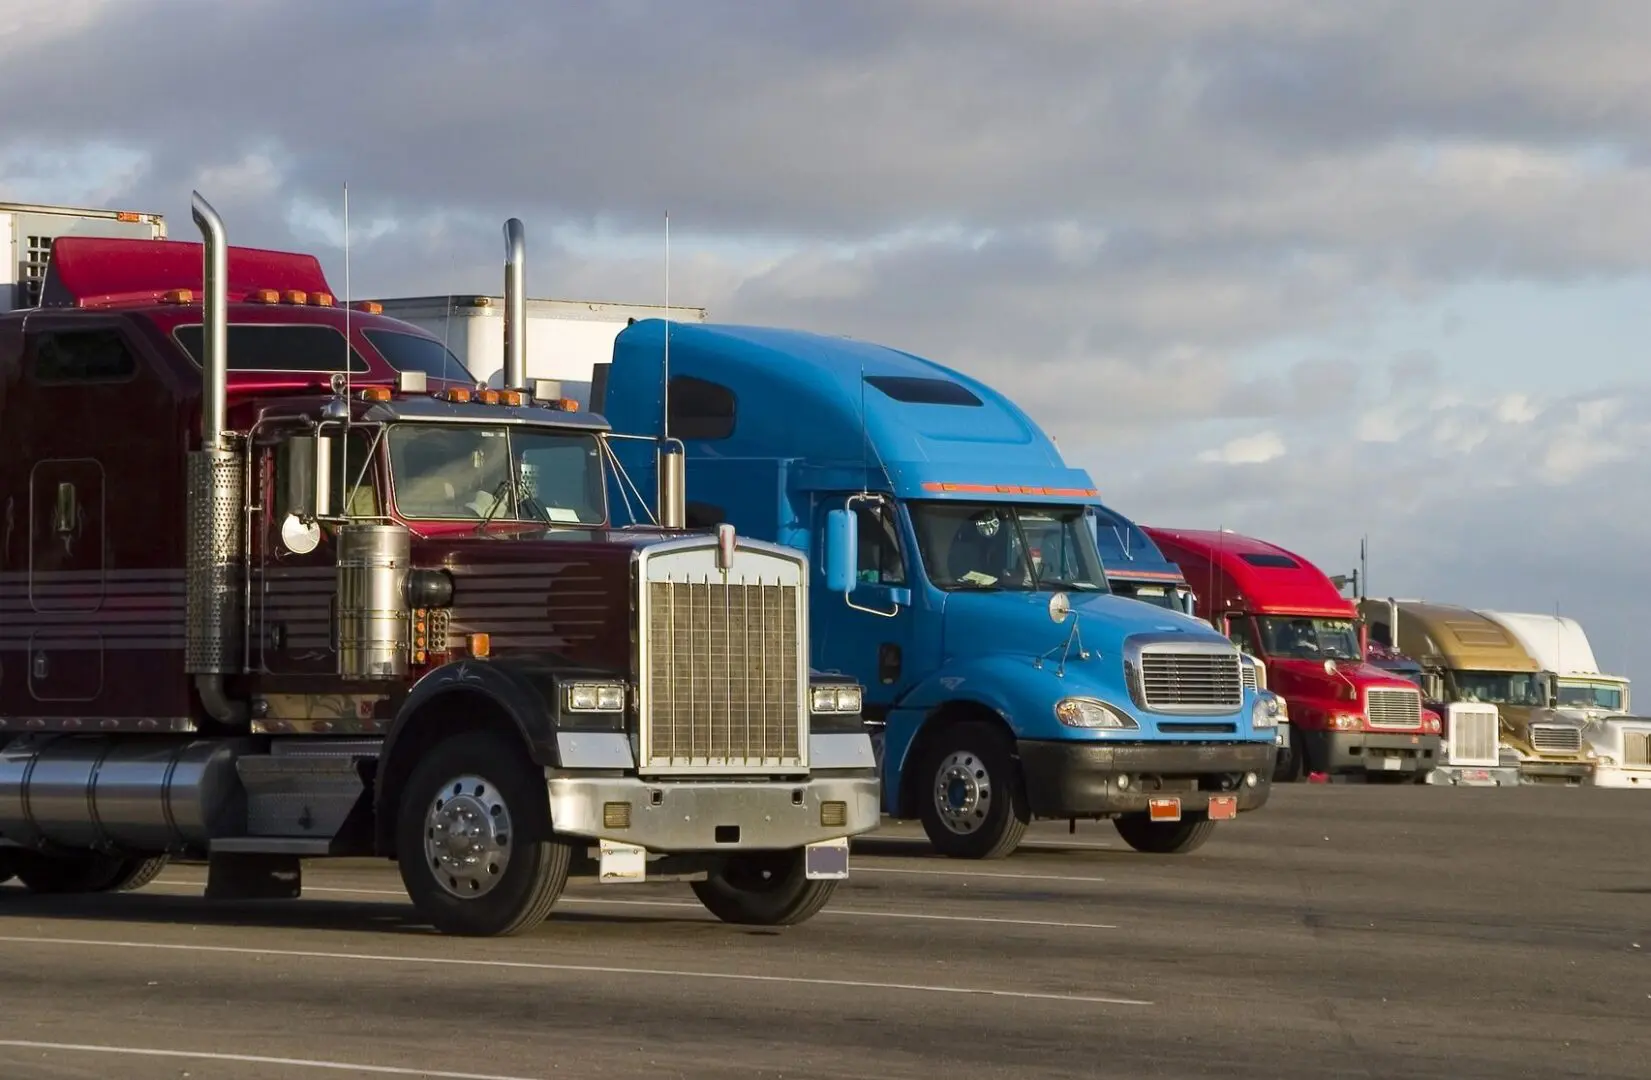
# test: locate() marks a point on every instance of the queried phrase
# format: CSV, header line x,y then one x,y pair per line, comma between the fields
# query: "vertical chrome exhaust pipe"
x,y
215,498
515,306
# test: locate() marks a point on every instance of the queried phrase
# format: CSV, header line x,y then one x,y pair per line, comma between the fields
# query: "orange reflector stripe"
x,y
1011,489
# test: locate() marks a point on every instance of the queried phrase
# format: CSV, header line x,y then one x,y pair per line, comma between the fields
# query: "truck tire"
x,y
972,802
764,889
1287,769
1164,837
474,841
84,872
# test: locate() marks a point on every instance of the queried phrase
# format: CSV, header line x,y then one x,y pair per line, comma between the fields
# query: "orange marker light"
x,y
480,646
129,216
178,296
489,397
371,307
297,296
376,393
455,393
263,296
569,405
321,299
510,397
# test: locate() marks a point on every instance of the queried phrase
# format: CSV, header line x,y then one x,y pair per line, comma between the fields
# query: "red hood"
x,y
1308,677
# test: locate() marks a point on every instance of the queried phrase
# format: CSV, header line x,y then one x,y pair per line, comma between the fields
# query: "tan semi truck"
x,y
1468,659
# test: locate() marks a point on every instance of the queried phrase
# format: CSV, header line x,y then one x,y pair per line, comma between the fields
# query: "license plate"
x,y
622,862
827,859
1391,764
1164,809
1223,807
1475,774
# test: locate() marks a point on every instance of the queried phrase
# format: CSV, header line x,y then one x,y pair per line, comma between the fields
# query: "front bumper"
x,y
1067,779
1474,775
705,815
1370,752
1618,776
1537,771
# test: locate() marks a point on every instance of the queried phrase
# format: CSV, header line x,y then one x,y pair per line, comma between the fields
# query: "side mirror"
x,y
842,551
309,476
1329,667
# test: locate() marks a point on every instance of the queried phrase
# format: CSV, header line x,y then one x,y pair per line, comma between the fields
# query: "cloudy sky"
x,y
1308,271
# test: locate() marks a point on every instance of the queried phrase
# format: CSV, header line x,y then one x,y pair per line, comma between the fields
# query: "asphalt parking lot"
x,y
1343,931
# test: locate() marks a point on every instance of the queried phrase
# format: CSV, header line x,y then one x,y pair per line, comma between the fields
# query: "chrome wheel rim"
x,y
467,837
962,792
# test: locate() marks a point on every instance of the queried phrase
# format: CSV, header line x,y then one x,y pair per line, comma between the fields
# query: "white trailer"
x,y
30,230
1597,699
566,339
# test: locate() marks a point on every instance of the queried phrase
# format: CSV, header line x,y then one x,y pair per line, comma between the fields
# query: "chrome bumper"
x,y
689,816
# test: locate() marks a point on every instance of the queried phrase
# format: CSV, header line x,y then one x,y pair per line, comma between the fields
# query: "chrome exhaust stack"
x,y
215,497
515,306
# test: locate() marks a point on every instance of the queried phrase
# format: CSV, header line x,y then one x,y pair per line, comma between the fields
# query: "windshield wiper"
x,y
498,501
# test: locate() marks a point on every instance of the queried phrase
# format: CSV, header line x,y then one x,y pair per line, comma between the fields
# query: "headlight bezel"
x,y
594,696
837,699
1267,712
1092,714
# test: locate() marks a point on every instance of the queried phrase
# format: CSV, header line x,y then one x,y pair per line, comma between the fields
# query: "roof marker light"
x,y
568,404
376,393
178,296
371,307
455,393
510,397
488,397
297,296
263,296
129,216
321,299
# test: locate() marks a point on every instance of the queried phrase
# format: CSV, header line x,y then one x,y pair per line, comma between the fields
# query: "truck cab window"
x,y
475,471
1240,634
879,551
347,465
81,356
1006,546
701,409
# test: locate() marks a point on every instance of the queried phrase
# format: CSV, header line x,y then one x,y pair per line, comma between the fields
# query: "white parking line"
x,y
596,901
251,1059
587,969
974,874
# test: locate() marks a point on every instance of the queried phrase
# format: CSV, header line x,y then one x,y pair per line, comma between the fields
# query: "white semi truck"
x,y
567,340
1585,693
30,231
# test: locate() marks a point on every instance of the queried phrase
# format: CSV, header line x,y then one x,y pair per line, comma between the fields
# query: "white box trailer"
x,y
566,339
29,231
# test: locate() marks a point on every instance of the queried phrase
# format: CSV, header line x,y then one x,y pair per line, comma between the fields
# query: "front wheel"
x,y
764,889
1164,837
474,840
974,804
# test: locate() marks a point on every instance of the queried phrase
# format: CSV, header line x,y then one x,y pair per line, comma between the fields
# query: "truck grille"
x,y
1191,681
1555,739
1636,748
1474,735
724,687
1393,708
1248,672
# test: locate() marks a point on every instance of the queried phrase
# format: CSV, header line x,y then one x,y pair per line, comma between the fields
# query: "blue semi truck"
x,y
1134,566
960,582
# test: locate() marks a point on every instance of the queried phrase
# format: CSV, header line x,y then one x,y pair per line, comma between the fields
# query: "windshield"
x,y
1301,638
1502,687
1607,696
1157,595
507,473
1004,546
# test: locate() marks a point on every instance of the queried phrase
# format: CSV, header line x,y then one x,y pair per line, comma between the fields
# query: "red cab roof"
x,y
91,272
1242,571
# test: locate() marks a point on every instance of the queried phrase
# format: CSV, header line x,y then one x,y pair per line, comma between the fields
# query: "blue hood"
x,y
1015,623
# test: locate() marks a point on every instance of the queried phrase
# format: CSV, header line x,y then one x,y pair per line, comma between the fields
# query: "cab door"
x,y
870,633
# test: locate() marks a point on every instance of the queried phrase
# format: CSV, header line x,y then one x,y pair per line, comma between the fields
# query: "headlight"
x,y
836,699
594,697
1347,722
1264,713
1080,712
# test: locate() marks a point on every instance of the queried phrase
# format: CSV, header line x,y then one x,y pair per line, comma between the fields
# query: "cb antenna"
x,y
665,389
347,345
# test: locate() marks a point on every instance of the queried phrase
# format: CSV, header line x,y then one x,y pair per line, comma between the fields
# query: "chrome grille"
x,y
724,688
1248,671
1474,734
1555,739
1393,708
1636,748
1191,681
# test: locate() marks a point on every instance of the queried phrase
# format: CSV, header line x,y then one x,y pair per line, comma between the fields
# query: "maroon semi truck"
x,y
279,580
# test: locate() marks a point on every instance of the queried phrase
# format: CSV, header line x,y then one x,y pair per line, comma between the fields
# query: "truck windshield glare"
x,y
986,546
1591,696
1502,688
1298,638
471,471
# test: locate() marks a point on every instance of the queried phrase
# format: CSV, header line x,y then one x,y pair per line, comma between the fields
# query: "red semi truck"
x,y
1347,716
280,581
